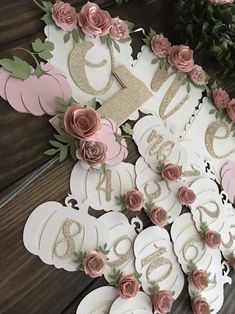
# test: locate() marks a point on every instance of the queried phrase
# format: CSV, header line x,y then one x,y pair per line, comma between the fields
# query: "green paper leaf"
x,y
51,152
81,34
155,61
64,138
212,111
116,46
127,129
56,144
152,33
188,88
92,103
103,39
125,40
63,153
47,19
75,36
43,49
47,5
17,67
66,37
146,41
130,25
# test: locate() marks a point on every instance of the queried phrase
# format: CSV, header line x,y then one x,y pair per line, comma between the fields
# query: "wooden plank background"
x,y
28,178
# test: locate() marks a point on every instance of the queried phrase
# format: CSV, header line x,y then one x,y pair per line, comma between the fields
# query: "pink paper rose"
x,y
92,154
228,180
162,301
220,98
94,264
200,306
158,216
119,29
128,287
160,46
200,279
93,20
134,200
219,2
171,172
81,122
231,110
64,16
212,239
186,196
182,58
197,75
116,147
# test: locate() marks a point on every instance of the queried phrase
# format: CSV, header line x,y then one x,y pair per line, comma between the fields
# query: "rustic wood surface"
x,y
28,178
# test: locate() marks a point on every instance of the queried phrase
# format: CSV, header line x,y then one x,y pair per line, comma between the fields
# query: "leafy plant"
x,y
210,29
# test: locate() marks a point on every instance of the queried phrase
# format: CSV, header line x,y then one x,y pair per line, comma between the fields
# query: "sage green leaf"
x,y
103,39
17,67
75,36
56,144
92,103
64,138
130,25
66,37
81,34
63,153
47,5
155,61
127,129
43,49
125,40
51,152
47,19
116,46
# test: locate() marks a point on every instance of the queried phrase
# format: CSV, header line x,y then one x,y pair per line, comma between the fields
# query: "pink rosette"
x,y
134,200
128,286
182,58
197,75
119,29
212,239
64,16
186,196
200,279
93,20
94,264
228,180
162,301
220,98
200,306
160,46
116,150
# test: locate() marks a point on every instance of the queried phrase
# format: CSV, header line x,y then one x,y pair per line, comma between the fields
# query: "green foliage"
x,y
17,67
103,249
63,145
43,49
210,29
148,206
120,201
191,267
127,129
115,277
78,259
154,288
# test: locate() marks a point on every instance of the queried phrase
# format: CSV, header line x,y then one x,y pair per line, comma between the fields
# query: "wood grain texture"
x,y
27,285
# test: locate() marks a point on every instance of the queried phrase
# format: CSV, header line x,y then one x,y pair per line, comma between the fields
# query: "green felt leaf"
x,y
17,67
66,37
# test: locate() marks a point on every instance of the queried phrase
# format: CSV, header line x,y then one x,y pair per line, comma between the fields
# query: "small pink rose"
x,y
220,2
171,172
186,196
197,75
220,98
94,264
162,301
200,279
134,200
231,110
128,287
93,20
200,306
158,216
182,58
212,239
81,122
110,135
119,29
64,16
92,154
160,46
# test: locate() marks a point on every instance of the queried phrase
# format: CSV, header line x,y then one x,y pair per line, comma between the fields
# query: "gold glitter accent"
x,y
152,195
156,139
107,178
191,173
164,150
134,93
230,242
68,238
210,136
77,68
191,244
159,77
211,214
154,261
170,94
123,258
